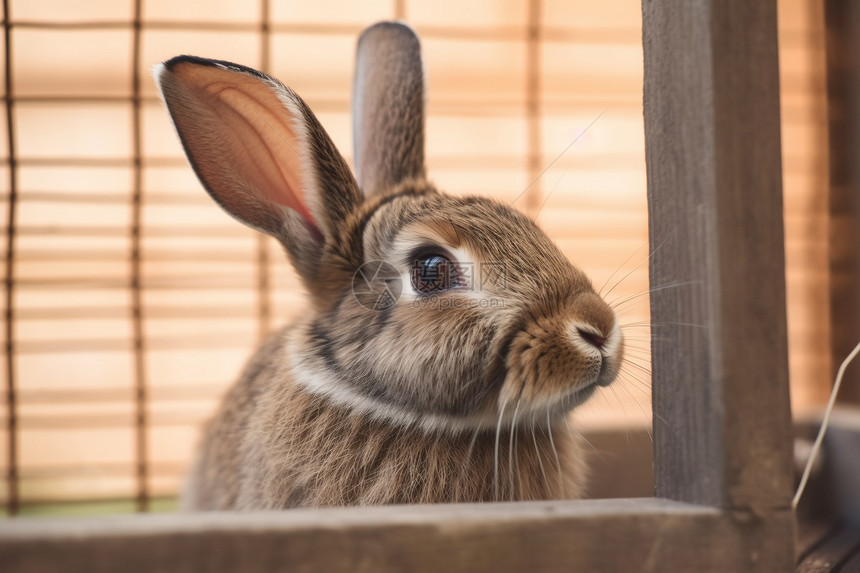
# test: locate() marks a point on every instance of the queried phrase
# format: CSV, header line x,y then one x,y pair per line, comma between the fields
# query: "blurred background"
x,y
131,301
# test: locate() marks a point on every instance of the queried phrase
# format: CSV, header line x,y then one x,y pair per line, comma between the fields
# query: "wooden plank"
x,y
139,372
722,433
810,535
10,282
596,536
832,494
842,21
852,562
833,553
842,463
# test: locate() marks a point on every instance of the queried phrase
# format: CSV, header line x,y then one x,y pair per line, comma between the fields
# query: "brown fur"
x,y
459,395
388,99
271,445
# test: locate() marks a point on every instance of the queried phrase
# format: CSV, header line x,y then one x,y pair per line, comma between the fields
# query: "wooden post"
x,y
722,424
842,22
12,493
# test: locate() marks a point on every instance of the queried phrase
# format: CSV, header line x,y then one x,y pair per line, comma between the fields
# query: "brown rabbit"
x,y
447,338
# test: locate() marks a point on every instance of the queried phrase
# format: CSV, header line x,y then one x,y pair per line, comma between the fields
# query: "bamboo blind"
x,y
132,301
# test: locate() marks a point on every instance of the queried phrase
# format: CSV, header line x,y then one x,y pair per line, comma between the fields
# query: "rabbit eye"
x,y
434,273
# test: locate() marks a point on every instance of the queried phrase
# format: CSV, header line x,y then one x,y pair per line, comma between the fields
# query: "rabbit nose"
x,y
592,338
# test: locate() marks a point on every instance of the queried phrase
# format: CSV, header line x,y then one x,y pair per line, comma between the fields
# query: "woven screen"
x,y
132,301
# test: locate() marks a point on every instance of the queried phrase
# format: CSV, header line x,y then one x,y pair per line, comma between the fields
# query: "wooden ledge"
x,y
641,534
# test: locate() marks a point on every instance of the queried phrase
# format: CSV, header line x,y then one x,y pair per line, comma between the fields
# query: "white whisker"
x,y
621,266
570,428
618,302
468,461
537,451
555,453
511,449
622,279
553,162
496,455
637,366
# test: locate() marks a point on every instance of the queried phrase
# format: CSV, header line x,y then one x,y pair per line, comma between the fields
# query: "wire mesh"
x,y
131,301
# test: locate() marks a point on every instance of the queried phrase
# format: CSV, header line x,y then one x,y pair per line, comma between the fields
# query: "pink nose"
x,y
593,339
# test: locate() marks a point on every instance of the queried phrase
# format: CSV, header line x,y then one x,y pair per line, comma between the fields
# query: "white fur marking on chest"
x,y
314,377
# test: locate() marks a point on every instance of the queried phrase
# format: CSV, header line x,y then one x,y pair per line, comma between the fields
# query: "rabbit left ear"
x,y
260,153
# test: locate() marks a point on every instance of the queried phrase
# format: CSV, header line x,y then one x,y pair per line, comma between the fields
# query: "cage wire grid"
x,y
534,29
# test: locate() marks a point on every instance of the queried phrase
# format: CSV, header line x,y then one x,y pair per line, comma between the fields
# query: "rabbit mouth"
x,y
580,393
607,374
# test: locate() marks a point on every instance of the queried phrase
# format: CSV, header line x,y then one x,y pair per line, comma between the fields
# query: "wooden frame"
x,y
722,425
715,214
599,536
842,22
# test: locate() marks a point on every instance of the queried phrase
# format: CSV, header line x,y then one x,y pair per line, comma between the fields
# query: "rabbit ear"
x,y
259,152
388,107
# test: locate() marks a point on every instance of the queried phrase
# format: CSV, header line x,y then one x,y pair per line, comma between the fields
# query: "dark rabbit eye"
x,y
434,273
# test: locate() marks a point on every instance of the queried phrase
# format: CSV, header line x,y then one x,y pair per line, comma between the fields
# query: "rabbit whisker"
x,y
555,453
642,368
638,407
567,166
644,361
618,403
643,381
570,428
641,343
635,384
639,324
627,360
559,156
621,266
621,280
537,451
496,455
642,353
618,302
468,461
666,324
512,449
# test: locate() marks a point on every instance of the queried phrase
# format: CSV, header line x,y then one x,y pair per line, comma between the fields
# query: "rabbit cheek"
x,y
544,367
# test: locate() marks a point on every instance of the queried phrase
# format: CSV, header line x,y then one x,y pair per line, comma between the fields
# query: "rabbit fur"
x,y
456,394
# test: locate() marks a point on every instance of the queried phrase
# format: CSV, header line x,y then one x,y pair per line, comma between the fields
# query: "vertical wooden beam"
x,y
722,425
264,286
842,22
12,501
534,157
139,350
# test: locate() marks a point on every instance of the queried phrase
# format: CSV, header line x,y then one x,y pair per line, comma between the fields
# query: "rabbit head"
x,y
427,309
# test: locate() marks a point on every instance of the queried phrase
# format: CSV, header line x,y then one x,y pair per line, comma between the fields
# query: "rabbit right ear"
x,y
388,108
260,153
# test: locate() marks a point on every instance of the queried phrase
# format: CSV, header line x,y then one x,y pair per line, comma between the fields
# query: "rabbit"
x,y
446,338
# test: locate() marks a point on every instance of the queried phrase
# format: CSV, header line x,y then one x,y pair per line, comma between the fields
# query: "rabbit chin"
x,y
540,410
316,379
573,399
